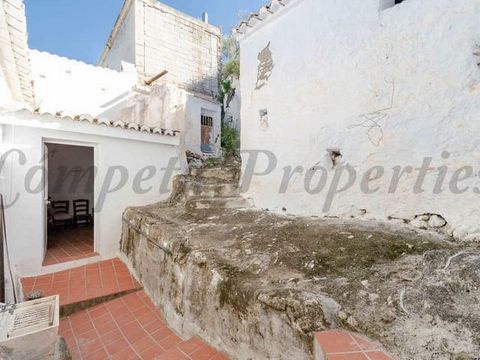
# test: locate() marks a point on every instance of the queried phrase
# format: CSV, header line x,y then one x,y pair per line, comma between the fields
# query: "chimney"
x,y
205,17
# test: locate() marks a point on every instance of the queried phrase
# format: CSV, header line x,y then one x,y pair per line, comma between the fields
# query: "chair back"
x,y
60,206
80,207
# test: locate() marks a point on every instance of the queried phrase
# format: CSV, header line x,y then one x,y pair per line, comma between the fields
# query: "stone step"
x,y
218,203
227,173
331,344
85,286
195,188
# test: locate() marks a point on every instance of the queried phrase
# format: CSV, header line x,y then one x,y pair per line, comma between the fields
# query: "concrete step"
x,y
227,173
194,188
82,287
218,203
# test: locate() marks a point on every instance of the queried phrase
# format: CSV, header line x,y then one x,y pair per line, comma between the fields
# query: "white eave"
x,y
14,54
87,124
256,20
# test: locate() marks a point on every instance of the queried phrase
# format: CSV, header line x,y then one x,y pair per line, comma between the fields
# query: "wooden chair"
x,y
81,213
60,213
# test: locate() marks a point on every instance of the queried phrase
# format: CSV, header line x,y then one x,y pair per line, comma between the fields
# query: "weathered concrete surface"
x,y
258,285
61,350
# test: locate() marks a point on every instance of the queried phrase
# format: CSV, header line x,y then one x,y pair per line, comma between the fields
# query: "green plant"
x,y
211,161
225,88
230,140
231,68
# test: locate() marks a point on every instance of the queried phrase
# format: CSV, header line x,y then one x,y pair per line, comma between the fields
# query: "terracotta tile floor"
x,y
84,282
69,244
342,345
129,327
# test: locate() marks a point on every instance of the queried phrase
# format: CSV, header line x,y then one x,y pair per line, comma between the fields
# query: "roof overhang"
x,y
14,53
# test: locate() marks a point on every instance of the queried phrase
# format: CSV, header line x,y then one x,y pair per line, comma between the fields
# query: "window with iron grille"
x,y
207,121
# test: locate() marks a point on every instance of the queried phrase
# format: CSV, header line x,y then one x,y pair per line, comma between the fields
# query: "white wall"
x,y
123,45
192,132
68,165
113,147
233,108
74,88
337,63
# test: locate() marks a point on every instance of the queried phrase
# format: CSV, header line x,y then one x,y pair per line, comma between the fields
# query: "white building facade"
x,y
48,102
365,108
172,49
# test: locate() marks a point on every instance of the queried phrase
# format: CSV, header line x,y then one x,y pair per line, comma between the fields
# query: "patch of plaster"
x,y
264,119
335,156
265,67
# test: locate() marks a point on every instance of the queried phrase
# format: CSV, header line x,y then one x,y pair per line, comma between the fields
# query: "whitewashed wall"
x,y
411,68
112,146
73,87
123,45
233,107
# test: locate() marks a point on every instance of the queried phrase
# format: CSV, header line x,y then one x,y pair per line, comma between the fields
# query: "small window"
x,y
385,4
207,120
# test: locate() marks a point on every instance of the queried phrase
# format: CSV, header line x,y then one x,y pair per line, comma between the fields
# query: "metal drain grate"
x,y
18,320
31,319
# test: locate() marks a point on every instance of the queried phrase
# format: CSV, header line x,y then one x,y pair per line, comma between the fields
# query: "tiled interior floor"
x,y
343,345
130,327
84,282
69,244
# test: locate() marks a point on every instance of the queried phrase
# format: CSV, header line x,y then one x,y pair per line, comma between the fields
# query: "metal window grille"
x,y
207,121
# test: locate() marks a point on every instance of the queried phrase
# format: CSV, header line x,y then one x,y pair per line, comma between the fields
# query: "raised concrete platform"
x,y
259,285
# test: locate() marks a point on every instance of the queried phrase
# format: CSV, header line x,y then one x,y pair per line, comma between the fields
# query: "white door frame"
x,y
63,141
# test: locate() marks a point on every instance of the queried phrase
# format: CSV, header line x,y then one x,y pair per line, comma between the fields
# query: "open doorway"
x,y
69,190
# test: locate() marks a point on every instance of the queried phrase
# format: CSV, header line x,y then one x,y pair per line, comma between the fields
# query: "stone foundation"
x,y
257,285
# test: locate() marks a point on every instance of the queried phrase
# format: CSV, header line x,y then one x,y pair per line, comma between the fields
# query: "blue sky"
x,y
78,29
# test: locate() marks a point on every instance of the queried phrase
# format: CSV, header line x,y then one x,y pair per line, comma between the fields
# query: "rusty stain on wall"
x,y
265,67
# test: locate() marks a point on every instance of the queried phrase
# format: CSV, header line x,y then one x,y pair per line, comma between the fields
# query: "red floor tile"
x,y
87,336
343,345
84,282
70,244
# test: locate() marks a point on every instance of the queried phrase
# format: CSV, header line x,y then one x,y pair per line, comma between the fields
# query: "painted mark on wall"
x,y
264,119
265,67
373,121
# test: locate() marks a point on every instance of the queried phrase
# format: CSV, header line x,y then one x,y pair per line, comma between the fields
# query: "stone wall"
x,y
157,37
186,47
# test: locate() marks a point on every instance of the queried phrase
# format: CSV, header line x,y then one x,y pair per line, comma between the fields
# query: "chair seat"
x,y
62,216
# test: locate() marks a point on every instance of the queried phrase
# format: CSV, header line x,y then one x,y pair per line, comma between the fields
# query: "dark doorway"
x,y
69,203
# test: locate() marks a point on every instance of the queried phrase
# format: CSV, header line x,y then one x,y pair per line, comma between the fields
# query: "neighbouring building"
x,y
178,52
232,105
64,122
384,87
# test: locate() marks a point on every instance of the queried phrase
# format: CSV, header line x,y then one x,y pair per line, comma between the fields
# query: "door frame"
x,y
63,141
